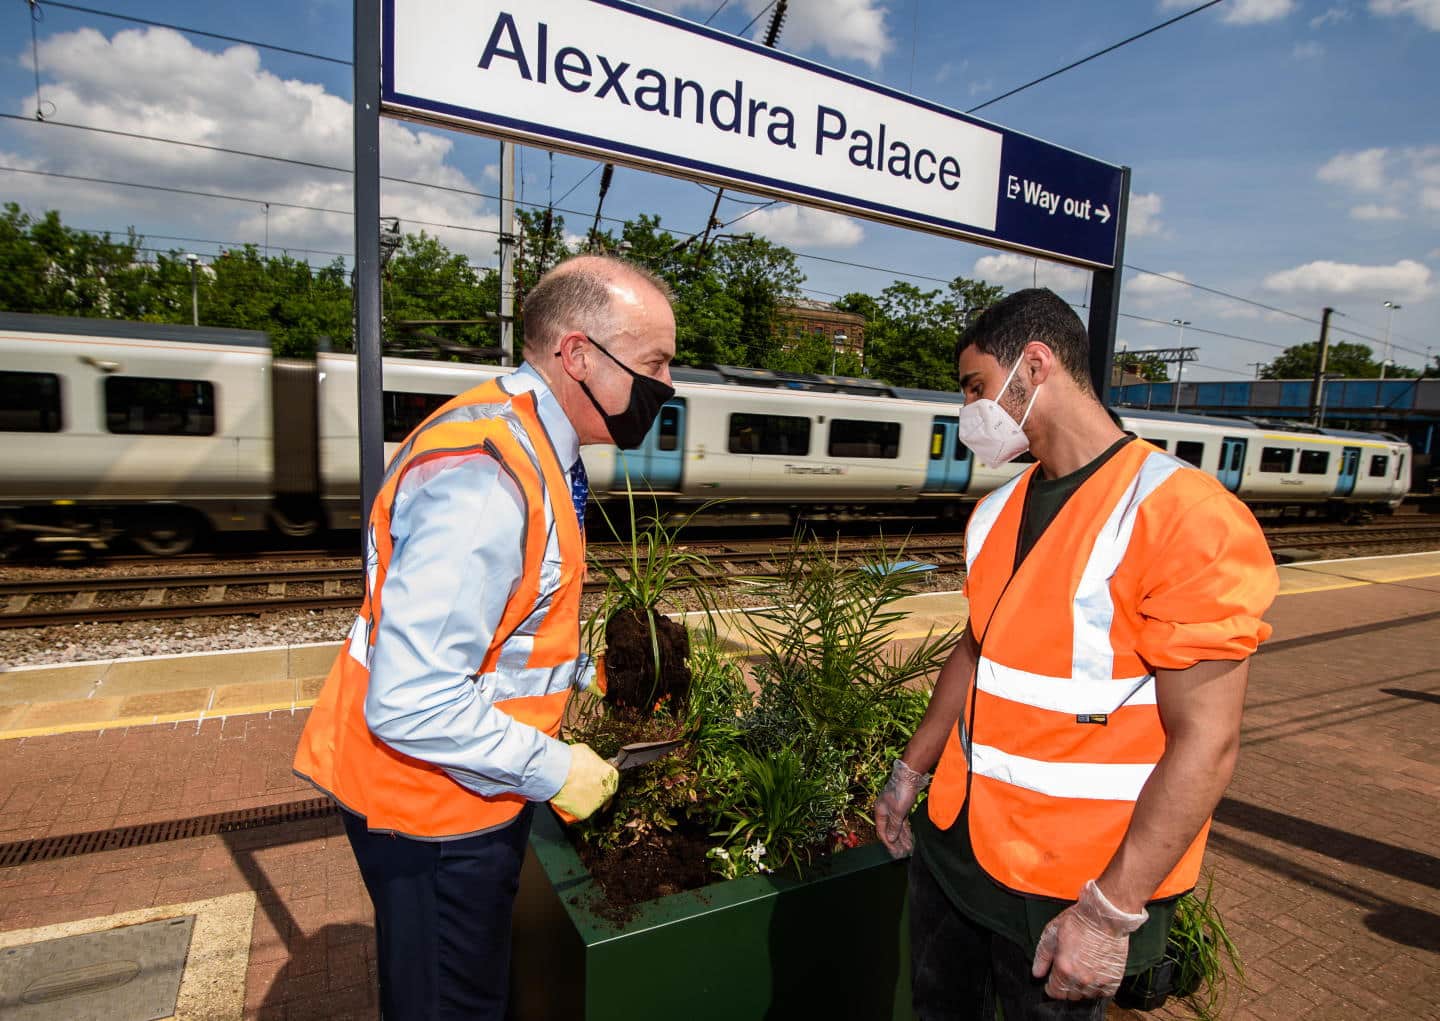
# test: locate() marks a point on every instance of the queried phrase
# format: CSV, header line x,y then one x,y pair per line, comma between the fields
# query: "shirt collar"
x,y
552,416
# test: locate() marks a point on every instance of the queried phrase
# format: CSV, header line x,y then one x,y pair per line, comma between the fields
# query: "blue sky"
x,y
1284,150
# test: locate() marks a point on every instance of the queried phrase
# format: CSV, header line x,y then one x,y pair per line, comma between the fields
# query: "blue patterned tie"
x,y
579,489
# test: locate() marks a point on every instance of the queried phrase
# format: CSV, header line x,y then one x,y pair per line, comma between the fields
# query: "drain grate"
x,y
70,845
130,973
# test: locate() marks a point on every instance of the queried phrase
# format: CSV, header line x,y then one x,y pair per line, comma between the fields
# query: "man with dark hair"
x,y
436,731
1088,720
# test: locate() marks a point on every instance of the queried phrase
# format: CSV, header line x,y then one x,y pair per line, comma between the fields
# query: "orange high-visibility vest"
x,y
1060,729
539,632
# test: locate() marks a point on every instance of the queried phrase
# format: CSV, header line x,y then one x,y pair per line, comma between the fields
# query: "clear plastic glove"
x,y
1085,946
590,783
892,808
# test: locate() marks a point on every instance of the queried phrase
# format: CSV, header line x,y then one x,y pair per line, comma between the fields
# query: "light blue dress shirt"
x,y
456,525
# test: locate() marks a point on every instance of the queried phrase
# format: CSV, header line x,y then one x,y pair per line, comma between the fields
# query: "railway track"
x,y
60,601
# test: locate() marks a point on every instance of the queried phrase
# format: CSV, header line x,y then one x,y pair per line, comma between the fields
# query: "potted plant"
x,y
738,877
1199,955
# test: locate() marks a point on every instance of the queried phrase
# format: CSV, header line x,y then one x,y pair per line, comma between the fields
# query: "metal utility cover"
x,y
131,973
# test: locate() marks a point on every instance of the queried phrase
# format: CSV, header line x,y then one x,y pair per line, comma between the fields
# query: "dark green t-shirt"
x,y
948,854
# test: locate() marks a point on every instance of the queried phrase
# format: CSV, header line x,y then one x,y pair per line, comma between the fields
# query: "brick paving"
x,y
1326,851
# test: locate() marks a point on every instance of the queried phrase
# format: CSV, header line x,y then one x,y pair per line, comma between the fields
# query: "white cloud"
x,y
801,226
1307,51
1362,171
976,88
1406,280
1370,211
949,67
1149,288
1242,12
850,29
1430,199
1427,12
1144,216
1332,16
127,82
1014,272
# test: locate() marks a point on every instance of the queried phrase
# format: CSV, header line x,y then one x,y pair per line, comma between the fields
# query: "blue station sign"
x,y
609,80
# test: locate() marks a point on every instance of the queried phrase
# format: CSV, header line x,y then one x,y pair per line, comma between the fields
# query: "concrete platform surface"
x,y
1325,851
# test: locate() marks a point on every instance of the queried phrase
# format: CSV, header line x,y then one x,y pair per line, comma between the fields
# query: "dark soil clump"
x,y
630,660
669,863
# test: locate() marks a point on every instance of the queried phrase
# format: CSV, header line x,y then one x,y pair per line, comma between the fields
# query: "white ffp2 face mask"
x,y
987,428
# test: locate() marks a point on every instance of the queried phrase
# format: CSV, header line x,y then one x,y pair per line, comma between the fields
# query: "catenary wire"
x,y
196,31
1098,53
315,165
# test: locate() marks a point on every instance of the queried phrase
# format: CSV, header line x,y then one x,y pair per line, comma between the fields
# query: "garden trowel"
x,y
641,752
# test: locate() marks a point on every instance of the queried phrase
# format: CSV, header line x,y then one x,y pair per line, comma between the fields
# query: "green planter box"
x,y
834,944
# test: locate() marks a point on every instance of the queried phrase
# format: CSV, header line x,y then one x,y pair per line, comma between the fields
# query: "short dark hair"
x,y
1036,313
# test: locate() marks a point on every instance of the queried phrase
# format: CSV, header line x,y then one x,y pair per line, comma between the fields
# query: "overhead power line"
x,y
229,198
195,31
1097,53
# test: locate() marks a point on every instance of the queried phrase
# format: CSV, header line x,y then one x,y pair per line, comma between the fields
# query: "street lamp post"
x,y
1391,308
194,261
836,342
1180,368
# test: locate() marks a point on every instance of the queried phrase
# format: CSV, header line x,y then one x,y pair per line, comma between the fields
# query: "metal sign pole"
x,y
1105,300
368,374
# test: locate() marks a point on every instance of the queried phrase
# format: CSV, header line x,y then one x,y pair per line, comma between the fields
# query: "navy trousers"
x,y
442,919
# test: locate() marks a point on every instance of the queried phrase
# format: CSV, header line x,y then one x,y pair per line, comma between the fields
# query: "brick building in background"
x,y
845,331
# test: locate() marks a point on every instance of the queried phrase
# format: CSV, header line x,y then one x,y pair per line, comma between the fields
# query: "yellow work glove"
x,y
590,783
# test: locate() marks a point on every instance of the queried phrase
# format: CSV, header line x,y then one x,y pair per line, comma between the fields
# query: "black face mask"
x,y
647,395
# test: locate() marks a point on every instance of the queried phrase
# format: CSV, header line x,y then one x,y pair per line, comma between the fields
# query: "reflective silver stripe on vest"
x,y
983,518
518,679
1102,781
1074,696
1092,656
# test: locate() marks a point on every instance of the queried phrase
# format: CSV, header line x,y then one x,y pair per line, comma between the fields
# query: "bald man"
x,y
437,728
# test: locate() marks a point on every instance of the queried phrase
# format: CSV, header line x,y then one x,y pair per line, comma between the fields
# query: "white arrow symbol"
x,y
1104,213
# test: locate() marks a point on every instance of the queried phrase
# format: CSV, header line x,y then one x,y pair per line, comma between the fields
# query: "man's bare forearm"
x,y
1201,710
1180,795
947,702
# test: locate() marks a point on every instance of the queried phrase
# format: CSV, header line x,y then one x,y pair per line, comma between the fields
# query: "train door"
x,y
948,467
1232,463
660,458
1349,469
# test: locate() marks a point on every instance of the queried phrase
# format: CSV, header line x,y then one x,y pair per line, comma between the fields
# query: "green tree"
x,y
1355,361
1147,367
425,280
911,333
46,267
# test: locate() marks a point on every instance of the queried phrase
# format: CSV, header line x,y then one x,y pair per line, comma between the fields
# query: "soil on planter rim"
x,y
630,662
629,876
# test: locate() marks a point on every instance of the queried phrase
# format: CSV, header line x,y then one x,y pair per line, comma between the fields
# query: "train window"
x,y
1314,462
29,402
1162,444
1237,457
1378,466
1190,451
782,435
404,411
1276,459
857,438
937,443
159,407
669,438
